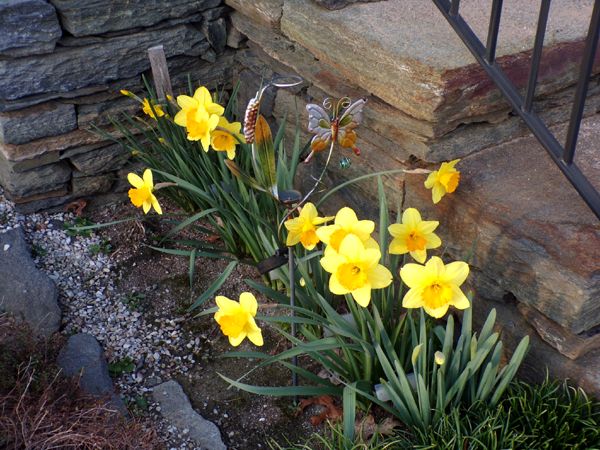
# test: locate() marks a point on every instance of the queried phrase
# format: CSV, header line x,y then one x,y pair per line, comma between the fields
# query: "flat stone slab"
x,y
530,229
28,27
82,357
26,292
71,68
404,51
86,17
49,119
177,410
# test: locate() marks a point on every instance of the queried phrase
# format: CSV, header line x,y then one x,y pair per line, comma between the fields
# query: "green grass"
x,y
547,416
103,247
71,227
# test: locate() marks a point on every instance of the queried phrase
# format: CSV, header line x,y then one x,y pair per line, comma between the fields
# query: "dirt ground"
x,y
246,421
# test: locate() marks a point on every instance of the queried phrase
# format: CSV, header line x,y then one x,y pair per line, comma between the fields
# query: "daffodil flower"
x,y
435,286
236,319
413,235
226,137
141,194
303,229
199,115
355,269
346,223
147,108
443,181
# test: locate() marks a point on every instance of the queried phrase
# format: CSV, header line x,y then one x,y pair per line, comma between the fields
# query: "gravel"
x,y
158,348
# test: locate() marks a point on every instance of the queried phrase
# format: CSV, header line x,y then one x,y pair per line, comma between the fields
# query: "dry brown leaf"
x,y
330,410
76,207
366,427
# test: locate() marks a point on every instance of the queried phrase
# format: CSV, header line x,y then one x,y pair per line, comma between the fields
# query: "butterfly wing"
x,y
349,120
318,120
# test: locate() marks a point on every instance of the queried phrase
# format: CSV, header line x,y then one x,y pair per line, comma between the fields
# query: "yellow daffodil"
x,y
355,269
304,228
141,194
435,286
198,122
443,181
199,115
346,223
413,235
226,137
236,319
147,108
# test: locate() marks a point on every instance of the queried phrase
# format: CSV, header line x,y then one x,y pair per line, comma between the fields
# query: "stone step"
x,y
425,91
534,238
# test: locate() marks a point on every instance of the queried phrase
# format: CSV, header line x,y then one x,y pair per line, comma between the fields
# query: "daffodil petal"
x,y
411,217
362,295
380,277
433,240
324,233
437,192
155,204
135,180
431,178
148,179
459,299
419,255
146,206
398,230
331,262
398,247
412,299
457,272
225,304
336,287
346,217
436,312
352,247
237,340
249,303
428,226
413,275
256,337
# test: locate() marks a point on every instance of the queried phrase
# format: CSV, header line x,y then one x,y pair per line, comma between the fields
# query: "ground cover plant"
x,y
372,327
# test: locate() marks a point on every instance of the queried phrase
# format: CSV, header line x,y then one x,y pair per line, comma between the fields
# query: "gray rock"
x,y
84,186
102,112
27,164
34,181
216,34
25,291
50,119
214,13
85,17
27,27
77,67
176,408
82,356
100,160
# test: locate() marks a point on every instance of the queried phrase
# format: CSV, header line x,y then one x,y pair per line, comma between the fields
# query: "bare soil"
x,y
246,421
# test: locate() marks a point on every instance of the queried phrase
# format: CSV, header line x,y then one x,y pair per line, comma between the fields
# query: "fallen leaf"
x,y
330,410
366,427
76,207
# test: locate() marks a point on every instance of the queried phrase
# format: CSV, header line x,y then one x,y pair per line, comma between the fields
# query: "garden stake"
x,y
292,301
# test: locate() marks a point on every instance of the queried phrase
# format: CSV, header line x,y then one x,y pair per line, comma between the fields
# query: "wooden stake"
x,y
160,72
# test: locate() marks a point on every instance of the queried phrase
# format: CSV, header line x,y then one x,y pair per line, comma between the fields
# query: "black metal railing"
x,y
563,156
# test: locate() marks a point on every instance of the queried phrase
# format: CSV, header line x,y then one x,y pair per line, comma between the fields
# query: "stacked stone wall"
x,y
62,64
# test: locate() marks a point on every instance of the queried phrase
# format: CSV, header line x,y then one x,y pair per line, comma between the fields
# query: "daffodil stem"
x,y
292,304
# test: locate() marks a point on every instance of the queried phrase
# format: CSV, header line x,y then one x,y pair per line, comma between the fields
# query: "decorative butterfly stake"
x,y
334,124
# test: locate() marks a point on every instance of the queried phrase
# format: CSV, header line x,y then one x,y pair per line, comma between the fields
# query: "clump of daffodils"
x,y
203,120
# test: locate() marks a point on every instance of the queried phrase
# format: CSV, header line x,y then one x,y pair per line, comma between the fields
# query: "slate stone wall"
x,y
62,64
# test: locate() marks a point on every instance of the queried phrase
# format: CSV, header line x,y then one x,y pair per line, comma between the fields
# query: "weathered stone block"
x,y
100,160
216,34
33,123
35,181
101,112
27,164
84,186
266,12
85,17
422,67
27,27
72,68
529,228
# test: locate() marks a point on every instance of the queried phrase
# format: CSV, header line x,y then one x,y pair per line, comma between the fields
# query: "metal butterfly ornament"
x,y
334,123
